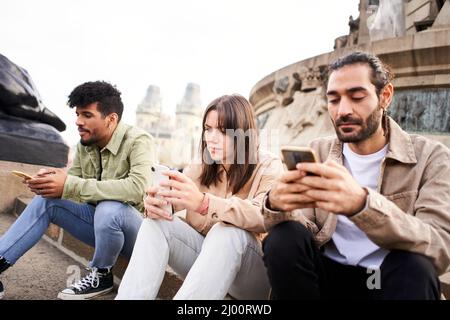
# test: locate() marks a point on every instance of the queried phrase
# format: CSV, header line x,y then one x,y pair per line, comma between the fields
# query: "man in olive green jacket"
x,y
99,199
373,220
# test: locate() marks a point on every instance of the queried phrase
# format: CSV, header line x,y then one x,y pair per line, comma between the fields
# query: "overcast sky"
x,y
226,46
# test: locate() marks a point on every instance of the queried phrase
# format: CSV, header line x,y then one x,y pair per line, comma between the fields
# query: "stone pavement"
x,y
41,273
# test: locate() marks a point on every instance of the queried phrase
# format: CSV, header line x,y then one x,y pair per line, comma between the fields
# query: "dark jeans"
x,y
297,269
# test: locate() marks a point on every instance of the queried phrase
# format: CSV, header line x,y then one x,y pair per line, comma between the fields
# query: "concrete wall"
x,y
11,186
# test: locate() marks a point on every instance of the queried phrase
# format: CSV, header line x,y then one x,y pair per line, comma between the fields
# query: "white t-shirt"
x,y
350,245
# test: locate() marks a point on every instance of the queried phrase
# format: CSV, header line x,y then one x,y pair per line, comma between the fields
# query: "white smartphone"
x,y
159,177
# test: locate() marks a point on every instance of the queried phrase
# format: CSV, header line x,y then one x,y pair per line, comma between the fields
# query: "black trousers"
x,y
297,269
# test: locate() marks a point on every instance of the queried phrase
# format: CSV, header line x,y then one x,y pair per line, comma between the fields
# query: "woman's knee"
x,y
167,227
224,235
224,232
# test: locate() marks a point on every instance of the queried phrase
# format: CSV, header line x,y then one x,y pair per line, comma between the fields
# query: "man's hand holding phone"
x,y
288,192
333,188
48,183
310,184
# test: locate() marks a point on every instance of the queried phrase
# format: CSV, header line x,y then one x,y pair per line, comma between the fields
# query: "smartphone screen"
x,y
294,155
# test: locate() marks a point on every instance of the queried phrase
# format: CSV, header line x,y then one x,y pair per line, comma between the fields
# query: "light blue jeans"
x,y
111,227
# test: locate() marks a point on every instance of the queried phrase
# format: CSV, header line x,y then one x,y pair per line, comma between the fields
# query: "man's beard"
x,y
368,127
89,142
86,143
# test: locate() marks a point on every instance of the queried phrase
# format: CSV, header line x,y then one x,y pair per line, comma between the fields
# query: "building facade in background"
x,y
177,136
413,37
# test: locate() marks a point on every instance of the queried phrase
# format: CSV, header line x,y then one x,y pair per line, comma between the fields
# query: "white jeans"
x,y
227,260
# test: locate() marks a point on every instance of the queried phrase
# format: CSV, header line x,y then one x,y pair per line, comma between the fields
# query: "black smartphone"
x,y
293,155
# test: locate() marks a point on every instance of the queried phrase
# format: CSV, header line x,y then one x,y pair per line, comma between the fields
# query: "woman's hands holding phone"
x,y
183,193
180,191
153,206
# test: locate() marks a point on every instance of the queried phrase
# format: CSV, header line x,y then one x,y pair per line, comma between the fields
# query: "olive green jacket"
x,y
121,171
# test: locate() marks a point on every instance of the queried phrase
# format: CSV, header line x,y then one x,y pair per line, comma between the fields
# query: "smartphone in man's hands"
x,y
157,178
294,154
21,174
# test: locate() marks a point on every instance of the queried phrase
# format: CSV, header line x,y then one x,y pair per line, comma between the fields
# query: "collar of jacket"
x,y
400,146
115,141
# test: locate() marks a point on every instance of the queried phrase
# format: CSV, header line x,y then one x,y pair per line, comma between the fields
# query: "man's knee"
x,y
109,213
286,238
40,205
412,265
46,202
408,275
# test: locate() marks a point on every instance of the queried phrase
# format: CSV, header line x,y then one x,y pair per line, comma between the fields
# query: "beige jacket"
x,y
409,211
242,209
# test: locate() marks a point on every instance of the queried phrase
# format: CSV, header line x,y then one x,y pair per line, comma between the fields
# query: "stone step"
x,y
38,275
445,285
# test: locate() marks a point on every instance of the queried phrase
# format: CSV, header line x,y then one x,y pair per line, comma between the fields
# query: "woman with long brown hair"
x,y
217,248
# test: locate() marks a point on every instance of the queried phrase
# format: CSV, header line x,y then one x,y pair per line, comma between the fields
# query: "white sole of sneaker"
x,y
2,294
65,296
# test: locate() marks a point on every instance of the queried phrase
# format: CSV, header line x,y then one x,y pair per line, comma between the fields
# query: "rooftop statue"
x,y
389,20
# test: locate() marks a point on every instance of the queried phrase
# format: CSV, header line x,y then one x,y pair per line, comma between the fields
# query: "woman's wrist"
x,y
204,205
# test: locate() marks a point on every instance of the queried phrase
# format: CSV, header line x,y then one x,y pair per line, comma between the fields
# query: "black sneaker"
x,y
94,284
2,290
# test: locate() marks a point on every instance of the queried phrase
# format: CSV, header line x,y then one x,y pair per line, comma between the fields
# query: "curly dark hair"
x,y
107,96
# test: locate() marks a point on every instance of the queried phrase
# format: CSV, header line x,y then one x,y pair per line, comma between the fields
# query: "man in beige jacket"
x,y
373,219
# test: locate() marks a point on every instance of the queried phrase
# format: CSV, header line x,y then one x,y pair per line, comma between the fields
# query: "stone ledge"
x,y
445,285
12,186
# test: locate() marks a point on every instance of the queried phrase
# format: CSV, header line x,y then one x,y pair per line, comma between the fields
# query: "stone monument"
x,y
389,20
413,37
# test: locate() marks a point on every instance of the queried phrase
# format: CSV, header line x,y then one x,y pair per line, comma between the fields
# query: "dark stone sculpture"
x,y
27,128
19,96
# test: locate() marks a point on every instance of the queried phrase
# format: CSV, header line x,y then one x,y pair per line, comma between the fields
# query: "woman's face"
x,y
219,145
